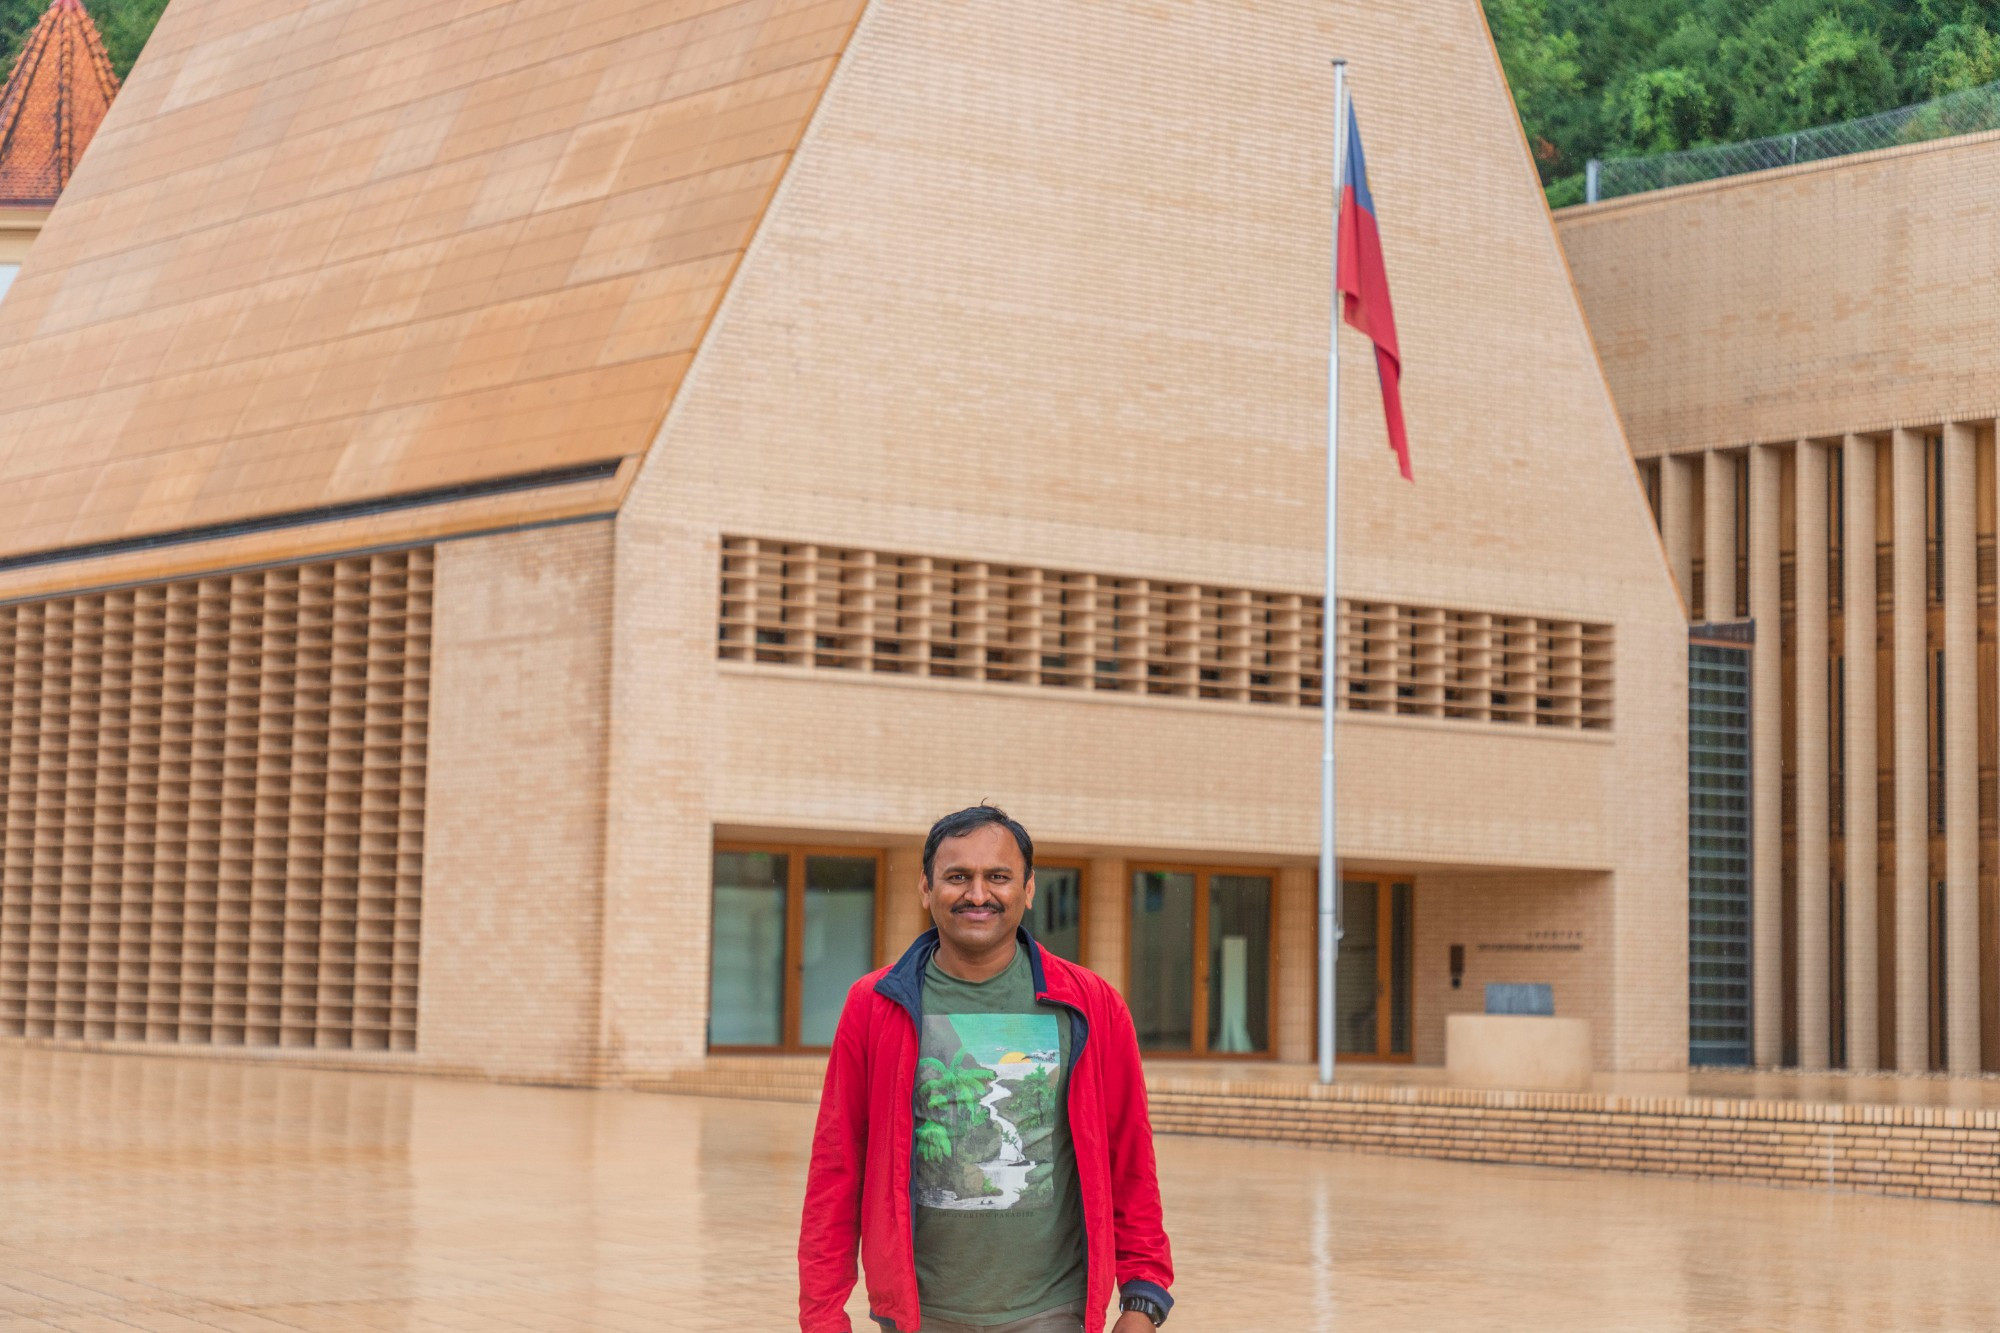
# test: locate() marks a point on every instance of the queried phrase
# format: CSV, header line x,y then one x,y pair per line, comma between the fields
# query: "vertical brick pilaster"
x,y
1297,962
899,900
1912,759
1767,758
1106,911
1718,534
1812,761
1677,521
1961,752
1860,751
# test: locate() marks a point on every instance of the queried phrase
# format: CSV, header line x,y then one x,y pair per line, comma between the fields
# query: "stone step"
x,y
1924,1152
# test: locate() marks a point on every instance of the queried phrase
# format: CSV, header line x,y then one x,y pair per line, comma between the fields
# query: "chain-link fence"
x,y
1965,112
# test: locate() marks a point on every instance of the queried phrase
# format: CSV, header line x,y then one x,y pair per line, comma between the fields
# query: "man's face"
x,y
977,891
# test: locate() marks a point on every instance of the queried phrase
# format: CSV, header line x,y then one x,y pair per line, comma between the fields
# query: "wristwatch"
x,y
1150,1309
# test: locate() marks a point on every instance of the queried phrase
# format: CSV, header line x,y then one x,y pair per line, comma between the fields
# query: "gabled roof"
x,y
61,87
359,255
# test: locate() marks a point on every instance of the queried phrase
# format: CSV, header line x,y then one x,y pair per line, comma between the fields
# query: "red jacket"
x,y
861,1186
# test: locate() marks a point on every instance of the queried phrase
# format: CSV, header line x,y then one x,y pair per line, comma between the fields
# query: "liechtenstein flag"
x,y
1364,282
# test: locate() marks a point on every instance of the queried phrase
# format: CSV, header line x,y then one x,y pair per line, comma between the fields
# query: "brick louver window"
x,y
214,818
800,605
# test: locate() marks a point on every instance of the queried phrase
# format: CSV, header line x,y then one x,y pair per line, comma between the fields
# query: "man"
x,y
982,1132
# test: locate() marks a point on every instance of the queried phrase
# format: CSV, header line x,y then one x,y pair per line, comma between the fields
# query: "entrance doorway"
x,y
1377,963
1056,921
1201,977
793,929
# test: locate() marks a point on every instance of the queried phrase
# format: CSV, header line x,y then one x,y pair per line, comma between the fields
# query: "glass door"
x,y
1372,1014
746,979
1238,976
839,940
1161,983
1056,921
1200,963
792,930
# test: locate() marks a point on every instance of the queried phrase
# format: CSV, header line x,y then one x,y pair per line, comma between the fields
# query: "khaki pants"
x,y
1062,1319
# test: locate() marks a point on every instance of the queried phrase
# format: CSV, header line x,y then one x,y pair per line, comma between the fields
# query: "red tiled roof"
x,y
61,87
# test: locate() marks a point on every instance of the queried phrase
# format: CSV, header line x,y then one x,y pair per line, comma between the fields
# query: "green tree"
x,y
1541,65
1960,56
1660,110
124,24
1617,78
1841,74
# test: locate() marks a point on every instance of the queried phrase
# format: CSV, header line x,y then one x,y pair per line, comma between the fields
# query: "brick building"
x,y
1803,365
518,518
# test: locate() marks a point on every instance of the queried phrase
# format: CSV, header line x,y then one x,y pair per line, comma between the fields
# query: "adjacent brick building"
x,y
1804,363
518,519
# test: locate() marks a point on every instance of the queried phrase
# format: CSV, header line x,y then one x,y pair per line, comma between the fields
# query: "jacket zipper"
x,y
910,1107
1080,1026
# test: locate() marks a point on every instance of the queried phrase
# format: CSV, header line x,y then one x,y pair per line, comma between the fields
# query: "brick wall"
x,y
1926,1152
1048,283
1096,340
1847,295
1524,927
514,860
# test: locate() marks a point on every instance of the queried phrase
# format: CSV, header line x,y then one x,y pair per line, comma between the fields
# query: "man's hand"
x,y
1132,1322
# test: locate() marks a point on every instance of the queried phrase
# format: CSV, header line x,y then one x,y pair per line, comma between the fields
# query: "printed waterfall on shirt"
x,y
999,1223
987,1087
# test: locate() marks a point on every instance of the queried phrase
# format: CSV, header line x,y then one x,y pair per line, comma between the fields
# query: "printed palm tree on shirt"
x,y
933,1141
1033,1104
953,1090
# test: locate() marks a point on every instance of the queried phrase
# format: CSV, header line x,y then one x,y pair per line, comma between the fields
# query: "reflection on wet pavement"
x,y
179,1195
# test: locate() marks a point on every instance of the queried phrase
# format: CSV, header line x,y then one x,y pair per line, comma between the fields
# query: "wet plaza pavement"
x,y
180,1194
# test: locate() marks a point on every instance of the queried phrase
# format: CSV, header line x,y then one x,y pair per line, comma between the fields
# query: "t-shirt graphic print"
x,y
999,1222
989,1091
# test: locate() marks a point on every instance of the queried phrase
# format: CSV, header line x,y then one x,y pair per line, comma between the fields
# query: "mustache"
x,y
976,907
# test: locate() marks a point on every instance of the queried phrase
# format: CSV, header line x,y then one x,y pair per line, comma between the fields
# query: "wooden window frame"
x,y
796,855
1198,1028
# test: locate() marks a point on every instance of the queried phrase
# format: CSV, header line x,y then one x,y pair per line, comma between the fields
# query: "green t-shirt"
x,y
999,1217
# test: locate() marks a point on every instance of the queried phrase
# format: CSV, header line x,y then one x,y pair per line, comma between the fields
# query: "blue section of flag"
x,y
1357,164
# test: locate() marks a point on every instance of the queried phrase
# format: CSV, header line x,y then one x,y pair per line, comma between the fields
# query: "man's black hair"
x,y
958,824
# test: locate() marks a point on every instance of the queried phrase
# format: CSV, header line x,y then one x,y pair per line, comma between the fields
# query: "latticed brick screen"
x,y
801,605
215,808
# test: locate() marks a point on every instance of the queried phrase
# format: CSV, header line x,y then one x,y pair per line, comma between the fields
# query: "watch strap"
x,y
1150,1309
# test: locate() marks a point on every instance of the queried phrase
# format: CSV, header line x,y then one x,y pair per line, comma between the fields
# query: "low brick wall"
x,y
1919,1151
1929,1152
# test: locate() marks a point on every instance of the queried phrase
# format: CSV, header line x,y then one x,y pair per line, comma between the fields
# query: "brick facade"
x,y
1042,285
1799,358
1012,338
514,867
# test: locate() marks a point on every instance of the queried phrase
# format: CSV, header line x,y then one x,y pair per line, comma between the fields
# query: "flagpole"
x,y
1329,884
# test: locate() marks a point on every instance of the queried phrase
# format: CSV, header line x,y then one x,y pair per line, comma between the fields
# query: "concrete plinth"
x,y
1517,1051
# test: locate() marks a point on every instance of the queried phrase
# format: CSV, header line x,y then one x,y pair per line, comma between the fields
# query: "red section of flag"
x,y
1364,284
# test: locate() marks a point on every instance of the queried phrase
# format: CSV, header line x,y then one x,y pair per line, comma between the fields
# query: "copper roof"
x,y
61,87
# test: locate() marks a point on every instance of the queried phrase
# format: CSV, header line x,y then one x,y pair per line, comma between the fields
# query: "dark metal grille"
x,y
1719,854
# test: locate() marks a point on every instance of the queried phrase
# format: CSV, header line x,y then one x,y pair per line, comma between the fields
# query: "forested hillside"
x,y
1616,78
125,24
